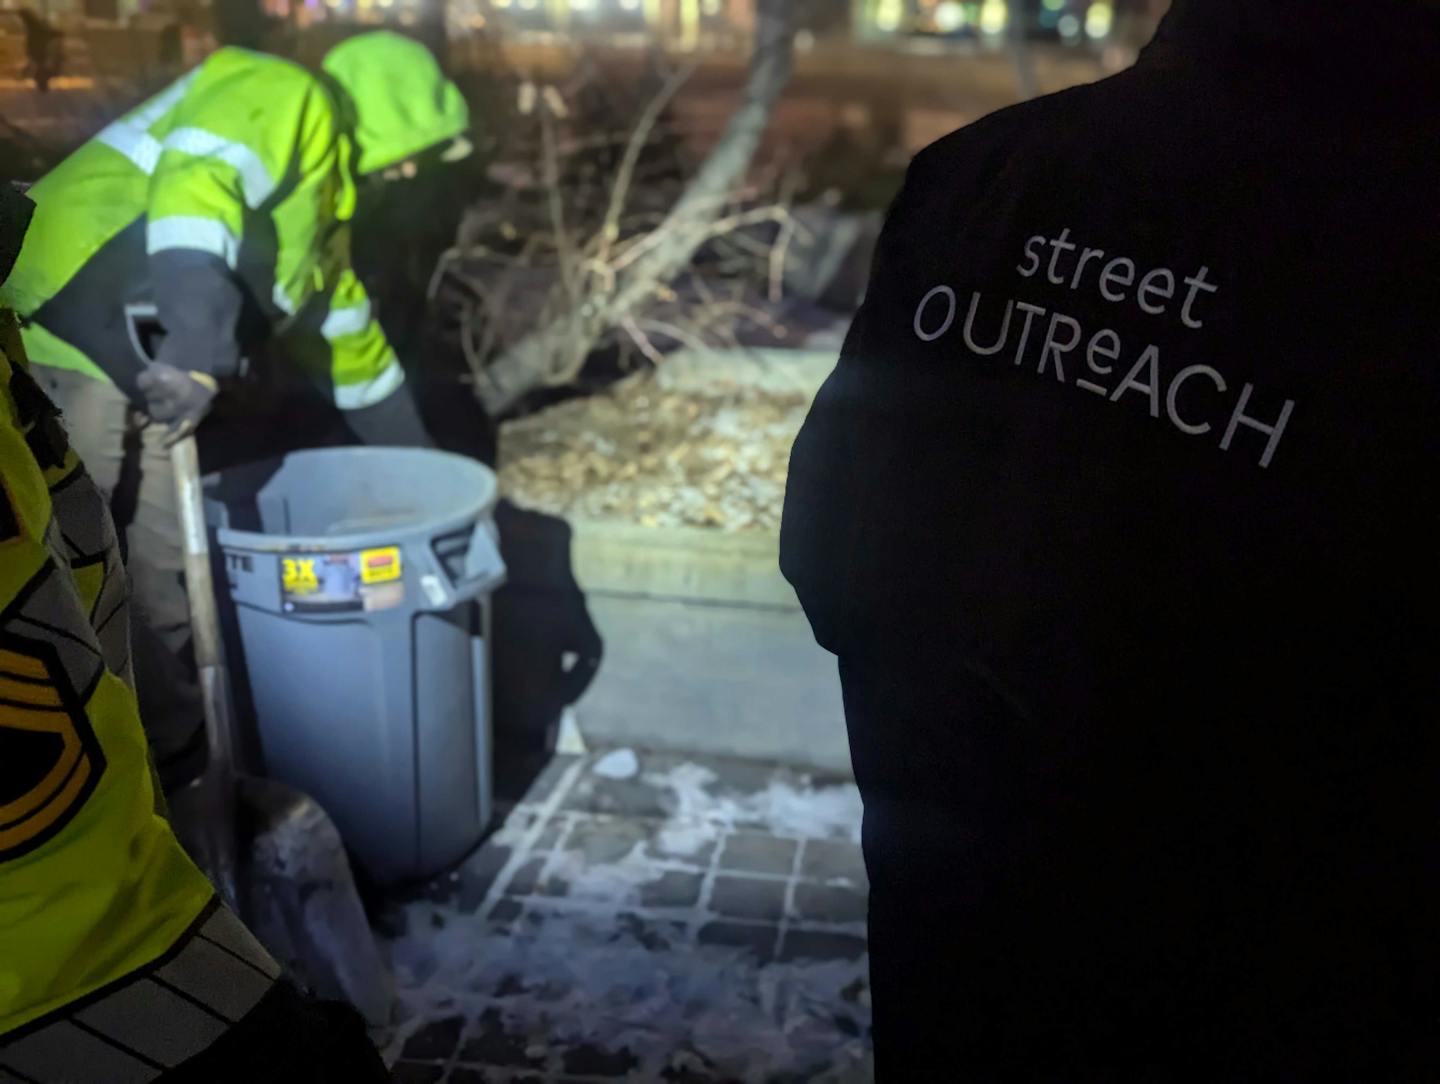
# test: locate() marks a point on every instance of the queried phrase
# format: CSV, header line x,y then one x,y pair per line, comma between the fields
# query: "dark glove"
x,y
176,399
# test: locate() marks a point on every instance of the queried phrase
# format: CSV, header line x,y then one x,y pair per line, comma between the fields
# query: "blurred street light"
x,y
889,14
1099,19
949,16
993,17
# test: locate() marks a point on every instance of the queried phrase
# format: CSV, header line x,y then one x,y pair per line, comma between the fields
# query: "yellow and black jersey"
x,y
93,884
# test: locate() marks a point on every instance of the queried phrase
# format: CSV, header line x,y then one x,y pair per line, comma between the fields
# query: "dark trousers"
x,y
1038,916
126,457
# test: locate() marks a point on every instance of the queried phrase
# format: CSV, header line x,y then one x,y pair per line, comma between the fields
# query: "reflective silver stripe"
x,y
131,135
65,1053
151,111
282,300
372,391
255,179
194,233
134,143
155,1021
191,973
347,321
226,931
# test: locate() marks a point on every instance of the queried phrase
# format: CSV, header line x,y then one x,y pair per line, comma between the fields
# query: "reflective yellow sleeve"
x,y
221,157
363,367
197,200
344,347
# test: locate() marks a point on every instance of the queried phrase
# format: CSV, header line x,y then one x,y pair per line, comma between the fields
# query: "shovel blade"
x,y
300,900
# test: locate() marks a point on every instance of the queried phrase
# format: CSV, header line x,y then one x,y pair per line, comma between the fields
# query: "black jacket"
x,y
1120,511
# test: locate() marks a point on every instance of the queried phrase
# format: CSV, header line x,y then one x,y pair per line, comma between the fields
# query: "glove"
x,y
176,399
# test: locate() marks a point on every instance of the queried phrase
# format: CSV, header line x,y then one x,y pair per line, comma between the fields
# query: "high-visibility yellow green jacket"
x,y
99,905
224,202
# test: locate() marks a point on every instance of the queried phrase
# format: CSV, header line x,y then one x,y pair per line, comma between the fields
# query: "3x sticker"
x,y
368,580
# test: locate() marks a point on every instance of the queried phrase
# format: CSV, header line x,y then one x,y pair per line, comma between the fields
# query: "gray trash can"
x,y
361,580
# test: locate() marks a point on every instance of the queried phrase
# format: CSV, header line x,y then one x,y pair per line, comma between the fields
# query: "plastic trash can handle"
x,y
484,567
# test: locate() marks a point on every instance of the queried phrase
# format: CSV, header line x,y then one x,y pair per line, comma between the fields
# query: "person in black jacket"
x,y
1120,512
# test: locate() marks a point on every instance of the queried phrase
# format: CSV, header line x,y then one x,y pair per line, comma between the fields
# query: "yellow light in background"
x,y
689,24
1052,5
529,5
582,5
889,14
994,15
501,3
1099,19
949,16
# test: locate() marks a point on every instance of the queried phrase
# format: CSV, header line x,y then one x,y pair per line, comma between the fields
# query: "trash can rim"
x,y
479,508
260,542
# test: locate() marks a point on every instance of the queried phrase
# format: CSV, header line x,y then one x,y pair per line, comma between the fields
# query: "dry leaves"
x,y
641,454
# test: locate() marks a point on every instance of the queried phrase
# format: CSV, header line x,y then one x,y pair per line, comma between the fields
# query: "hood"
x,y
398,102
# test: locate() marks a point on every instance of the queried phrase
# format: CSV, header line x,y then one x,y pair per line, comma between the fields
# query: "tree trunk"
x,y
551,353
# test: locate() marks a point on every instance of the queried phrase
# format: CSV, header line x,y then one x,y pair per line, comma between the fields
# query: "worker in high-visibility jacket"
x,y
210,219
117,961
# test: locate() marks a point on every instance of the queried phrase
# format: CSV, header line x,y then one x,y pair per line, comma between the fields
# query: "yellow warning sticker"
x,y
380,565
299,577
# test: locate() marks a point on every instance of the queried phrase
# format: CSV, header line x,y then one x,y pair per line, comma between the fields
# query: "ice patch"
x,y
685,838
581,977
616,883
621,764
782,808
593,965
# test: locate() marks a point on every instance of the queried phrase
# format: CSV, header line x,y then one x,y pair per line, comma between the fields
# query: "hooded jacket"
x,y
1120,511
224,203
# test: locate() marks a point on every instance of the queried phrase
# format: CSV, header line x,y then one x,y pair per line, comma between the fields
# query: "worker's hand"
x,y
176,398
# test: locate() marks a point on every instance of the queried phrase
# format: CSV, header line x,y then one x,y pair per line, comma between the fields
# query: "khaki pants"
x,y
126,457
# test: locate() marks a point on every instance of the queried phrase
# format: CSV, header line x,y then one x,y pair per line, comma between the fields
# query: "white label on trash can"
x,y
383,596
434,589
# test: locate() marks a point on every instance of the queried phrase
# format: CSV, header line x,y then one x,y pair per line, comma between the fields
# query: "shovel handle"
x,y
217,784
200,587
